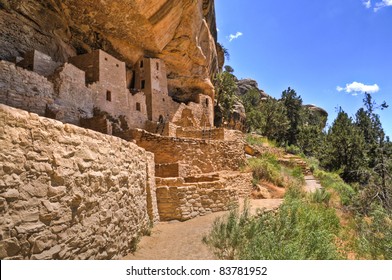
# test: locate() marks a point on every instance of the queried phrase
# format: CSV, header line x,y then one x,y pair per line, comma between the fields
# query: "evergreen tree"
x,y
310,136
267,116
274,124
293,104
225,88
378,154
344,149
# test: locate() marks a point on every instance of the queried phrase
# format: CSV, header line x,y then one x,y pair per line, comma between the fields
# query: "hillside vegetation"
x,y
351,217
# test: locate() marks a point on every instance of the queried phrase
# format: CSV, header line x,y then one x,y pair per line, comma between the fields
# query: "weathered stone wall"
x,y
185,198
233,135
189,201
108,77
150,77
89,63
202,156
208,134
73,100
167,170
39,63
152,207
195,114
24,89
70,193
238,181
137,111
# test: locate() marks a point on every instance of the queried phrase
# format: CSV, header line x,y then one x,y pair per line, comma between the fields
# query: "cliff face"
x,y
180,32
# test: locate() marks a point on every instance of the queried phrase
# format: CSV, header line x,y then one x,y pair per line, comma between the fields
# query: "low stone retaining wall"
x,y
185,198
68,192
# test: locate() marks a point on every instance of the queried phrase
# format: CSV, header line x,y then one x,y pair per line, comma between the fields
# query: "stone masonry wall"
x,y
24,89
40,63
186,198
189,201
68,192
208,134
73,100
202,156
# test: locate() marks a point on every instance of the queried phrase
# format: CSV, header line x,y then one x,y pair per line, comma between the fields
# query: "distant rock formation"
x,y
245,85
316,109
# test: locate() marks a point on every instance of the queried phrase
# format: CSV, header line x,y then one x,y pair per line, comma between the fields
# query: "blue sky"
x,y
329,51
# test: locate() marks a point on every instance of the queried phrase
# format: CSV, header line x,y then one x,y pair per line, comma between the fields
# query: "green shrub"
x,y
299,230
227,236
267,168
333,181
375,234
320,196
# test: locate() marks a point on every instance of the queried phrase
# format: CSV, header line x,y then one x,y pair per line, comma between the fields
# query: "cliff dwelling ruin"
x,y
151,158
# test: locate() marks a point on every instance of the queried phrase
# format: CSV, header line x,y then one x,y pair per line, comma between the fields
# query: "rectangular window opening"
x,y
108,95
137,106
143,84
141,64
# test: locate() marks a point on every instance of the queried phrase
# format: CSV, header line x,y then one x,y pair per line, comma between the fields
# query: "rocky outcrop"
x,y
318,110
245,85
182,33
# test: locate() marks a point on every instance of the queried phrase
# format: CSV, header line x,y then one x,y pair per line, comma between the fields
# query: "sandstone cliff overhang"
x,y
182,33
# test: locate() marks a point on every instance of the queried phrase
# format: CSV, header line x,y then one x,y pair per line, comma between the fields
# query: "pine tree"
x,y
344,149
293,104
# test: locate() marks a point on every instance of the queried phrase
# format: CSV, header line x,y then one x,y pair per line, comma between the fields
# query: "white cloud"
x,y
367,4
232,37
382,4
355,88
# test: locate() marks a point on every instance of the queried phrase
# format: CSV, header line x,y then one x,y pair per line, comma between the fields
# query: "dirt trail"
x,y
183,240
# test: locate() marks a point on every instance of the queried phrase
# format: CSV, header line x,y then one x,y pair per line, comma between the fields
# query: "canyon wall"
x,y
70,193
